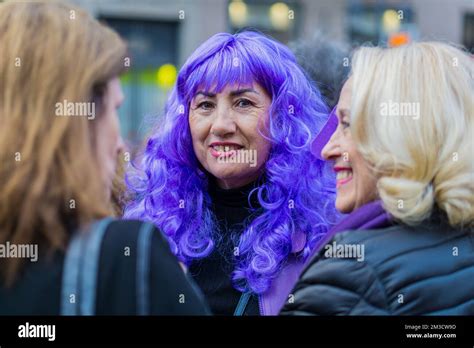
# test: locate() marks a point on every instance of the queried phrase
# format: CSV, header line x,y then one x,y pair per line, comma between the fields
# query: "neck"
x,y
235,197
234,183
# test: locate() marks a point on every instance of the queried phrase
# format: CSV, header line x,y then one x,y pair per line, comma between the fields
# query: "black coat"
x,y
423,270
38,289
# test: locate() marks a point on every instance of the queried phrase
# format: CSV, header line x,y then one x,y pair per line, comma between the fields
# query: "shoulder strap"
x,y
70,277
90,266
79,282
143,268
242,305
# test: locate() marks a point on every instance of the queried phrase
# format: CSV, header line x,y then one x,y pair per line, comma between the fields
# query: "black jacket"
x,y
38,289
423,270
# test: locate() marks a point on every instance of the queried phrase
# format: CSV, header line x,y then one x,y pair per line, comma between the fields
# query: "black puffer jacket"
x,y
423,270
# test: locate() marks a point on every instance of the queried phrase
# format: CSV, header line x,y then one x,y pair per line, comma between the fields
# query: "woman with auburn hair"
x,y
228,174
401,143
57,168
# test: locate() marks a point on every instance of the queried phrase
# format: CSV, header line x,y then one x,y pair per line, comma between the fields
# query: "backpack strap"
x,y
81,268
143,268
70,277
90,266
242,305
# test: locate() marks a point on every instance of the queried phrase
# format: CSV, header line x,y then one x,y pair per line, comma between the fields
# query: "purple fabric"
x,y
369,216
324,135
275,297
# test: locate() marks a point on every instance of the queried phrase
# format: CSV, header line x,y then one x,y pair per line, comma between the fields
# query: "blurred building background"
x,y
163,33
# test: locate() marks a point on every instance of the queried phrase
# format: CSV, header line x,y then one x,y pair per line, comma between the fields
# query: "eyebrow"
x,y
232,94
242,91
206,94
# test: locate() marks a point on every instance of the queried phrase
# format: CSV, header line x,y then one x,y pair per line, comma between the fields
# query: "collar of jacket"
x,y
369,216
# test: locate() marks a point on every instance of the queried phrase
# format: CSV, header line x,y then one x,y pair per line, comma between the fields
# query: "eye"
x,y
244,103
345,124
205,105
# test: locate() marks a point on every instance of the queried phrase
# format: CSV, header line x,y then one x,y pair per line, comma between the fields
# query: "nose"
x,y
332,149
120,145
224,123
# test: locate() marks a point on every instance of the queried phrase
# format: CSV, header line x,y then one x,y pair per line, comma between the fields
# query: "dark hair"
x,y
324,61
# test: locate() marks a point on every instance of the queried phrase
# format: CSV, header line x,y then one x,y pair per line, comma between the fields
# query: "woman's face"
x,y
355,183
224,129
109,141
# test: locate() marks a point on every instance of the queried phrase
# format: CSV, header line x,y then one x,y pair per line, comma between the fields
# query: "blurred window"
x,y
468,32
274,18
154,54
380,22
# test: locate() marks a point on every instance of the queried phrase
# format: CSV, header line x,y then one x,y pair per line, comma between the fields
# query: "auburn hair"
x,y
50,175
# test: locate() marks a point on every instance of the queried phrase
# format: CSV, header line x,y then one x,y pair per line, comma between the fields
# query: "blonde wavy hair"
x,y
50,176
412,117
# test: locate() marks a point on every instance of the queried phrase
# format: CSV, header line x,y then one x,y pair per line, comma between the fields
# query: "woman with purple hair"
x,y
228,175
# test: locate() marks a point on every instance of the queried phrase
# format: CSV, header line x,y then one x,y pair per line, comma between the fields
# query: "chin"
x,y
226,171
344,206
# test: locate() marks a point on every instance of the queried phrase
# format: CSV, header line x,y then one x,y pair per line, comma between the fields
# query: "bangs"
x,y
228,66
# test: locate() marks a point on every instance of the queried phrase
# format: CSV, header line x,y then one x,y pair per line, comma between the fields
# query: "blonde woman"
x,y
59,141
401,142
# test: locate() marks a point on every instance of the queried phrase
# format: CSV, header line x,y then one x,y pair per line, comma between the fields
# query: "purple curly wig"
x,y
170,188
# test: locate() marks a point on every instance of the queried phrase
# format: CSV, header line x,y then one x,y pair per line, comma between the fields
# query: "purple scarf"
x,y
369,216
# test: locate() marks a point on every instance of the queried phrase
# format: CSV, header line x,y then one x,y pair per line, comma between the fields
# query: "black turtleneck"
x,y
214,273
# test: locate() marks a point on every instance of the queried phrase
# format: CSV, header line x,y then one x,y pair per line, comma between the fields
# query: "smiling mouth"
x,y
218,150
343,176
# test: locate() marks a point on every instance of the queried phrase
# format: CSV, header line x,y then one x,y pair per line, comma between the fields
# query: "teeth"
x,y
343,174
227,148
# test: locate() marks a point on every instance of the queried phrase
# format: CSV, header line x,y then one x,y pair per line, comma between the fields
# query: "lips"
x,y
343,175
224,149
